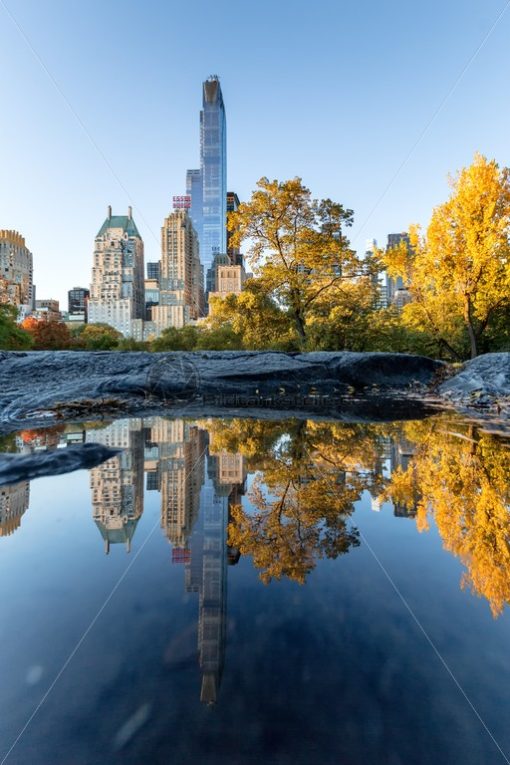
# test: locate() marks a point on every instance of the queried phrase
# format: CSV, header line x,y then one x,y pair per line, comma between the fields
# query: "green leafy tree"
x,y
12,337
98,337
218,339
130,344
173,339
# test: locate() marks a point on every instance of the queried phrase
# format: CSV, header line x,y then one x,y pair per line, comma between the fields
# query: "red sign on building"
x,y
182,202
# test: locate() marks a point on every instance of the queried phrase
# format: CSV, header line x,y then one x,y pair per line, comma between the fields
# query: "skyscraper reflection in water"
x,y
14,501
194,513
206,571
117,485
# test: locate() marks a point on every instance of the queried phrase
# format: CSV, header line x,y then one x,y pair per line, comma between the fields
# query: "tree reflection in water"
x,y
307,477
459,476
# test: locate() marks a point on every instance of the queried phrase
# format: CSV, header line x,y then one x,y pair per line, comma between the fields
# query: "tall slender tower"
x,y
208,186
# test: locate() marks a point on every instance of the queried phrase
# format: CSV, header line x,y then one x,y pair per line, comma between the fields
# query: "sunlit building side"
x,y
234,253
181,475
181,290
16,273
117,290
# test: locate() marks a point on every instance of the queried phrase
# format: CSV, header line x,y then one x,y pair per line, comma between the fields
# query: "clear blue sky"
x,y
335,92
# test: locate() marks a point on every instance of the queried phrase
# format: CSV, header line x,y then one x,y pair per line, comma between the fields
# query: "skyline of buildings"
x,y
197,257
193,245
197,489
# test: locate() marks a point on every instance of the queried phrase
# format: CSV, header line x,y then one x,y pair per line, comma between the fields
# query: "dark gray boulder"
x,y
39,386
25,467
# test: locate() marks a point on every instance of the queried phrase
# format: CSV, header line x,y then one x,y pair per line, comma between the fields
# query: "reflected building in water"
x,y
14,501
181,450
396,452
402,452
197,492
117,484
206,570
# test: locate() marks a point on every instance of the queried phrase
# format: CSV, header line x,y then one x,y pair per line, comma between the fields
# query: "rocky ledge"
x,y
37,388
481,384
14,467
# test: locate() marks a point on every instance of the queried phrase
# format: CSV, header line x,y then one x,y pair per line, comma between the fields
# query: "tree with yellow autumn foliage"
x,y
254,317
298,248
459,272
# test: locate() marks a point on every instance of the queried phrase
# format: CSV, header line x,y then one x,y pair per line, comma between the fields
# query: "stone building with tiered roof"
x,y
117,293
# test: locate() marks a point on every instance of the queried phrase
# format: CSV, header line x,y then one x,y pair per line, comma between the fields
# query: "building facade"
x,y
151,287
117,290
14,501
397,289
77,303
181,475
181,290
228,279
117,484
154,270
207,187
47,310
194,192
16,272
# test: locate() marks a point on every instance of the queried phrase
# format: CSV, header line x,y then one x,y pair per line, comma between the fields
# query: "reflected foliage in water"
x,y
190,627
307,478
460,477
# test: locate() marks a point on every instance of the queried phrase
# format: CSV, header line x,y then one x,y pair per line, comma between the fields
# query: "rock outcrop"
x,y
482,383
39,387
25,467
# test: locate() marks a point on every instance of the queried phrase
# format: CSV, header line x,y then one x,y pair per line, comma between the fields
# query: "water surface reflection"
x,y
281,497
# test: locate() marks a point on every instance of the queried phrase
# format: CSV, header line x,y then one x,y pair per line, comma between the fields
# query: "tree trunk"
x,y
300,326
470,327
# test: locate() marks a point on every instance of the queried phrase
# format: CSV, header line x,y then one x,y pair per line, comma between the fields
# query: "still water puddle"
x,y
231,590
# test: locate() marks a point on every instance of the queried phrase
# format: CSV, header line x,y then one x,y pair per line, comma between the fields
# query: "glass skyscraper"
x,y
194,190
208,186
